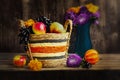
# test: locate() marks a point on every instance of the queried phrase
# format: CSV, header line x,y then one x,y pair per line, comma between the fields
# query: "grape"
x,y
25,47
26,39
86,64
30,30
24,36
20,34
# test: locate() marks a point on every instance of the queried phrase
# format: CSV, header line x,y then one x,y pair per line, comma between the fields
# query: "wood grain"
x,y
105,36
106,62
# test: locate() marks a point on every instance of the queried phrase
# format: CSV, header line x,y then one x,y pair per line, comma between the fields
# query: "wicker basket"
x,y
53,47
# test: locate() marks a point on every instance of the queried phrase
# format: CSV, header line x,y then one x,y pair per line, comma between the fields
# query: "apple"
x,y
39,28
19,60
56,27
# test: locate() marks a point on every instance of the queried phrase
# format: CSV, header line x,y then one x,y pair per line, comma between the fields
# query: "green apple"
x,y
56,27
19,60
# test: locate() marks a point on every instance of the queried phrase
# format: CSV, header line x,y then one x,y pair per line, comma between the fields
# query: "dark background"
x,y
105,37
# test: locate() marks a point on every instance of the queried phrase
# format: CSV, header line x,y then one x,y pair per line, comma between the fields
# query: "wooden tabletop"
x,y
107,62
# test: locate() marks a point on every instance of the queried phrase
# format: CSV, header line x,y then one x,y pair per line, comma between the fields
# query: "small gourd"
x,y
91,56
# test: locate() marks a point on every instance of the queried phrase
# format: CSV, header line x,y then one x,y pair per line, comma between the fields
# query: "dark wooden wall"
x,y
105,37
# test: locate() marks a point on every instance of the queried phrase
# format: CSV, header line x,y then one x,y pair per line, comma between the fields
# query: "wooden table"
x,y
108,68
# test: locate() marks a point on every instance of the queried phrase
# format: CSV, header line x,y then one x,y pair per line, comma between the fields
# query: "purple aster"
x,y
83,9
83,16
97,14
70,15
81,19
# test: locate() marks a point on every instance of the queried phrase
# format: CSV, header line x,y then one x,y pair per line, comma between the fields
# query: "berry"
x,y
25,47
86,64
24,36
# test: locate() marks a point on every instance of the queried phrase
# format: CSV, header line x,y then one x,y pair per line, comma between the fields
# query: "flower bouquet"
x,y
82,17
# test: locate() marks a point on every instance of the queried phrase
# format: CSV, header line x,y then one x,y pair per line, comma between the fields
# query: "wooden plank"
x,y
107,62
11,11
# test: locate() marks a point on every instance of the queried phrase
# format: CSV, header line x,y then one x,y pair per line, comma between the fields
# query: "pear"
x,y
56,27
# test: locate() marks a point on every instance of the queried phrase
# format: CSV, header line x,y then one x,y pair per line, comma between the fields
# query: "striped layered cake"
x,y
50,48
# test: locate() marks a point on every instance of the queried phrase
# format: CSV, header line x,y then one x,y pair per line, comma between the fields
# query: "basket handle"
x,y
29,52
66,25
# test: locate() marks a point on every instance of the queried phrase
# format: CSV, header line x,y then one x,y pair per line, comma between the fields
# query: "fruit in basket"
x,y
56,27
46,21
92,56
19,60
39,28
74,60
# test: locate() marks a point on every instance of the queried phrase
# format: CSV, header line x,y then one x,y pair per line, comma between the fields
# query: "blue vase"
x,y
83,41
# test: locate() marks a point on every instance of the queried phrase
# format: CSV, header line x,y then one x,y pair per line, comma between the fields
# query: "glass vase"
x,y
83,40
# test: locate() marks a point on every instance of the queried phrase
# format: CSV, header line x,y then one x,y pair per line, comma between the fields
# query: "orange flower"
x,y
92,8
29,22
74,9
35,65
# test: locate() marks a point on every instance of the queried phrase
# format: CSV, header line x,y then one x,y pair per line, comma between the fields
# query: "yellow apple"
x,y
56,27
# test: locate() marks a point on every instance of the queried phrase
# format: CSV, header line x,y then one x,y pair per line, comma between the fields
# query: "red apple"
x,y
39,28
19,60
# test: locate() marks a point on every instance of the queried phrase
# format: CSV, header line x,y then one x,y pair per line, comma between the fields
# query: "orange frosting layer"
x,y
48,49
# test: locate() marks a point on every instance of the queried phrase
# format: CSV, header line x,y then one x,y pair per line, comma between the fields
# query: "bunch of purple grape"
x,y
24,36
46,21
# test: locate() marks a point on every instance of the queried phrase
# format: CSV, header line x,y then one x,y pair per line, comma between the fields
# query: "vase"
x,y
83,40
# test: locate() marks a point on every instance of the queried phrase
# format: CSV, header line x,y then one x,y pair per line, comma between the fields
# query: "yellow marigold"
x,y
35,65
92,8
74,9
29,22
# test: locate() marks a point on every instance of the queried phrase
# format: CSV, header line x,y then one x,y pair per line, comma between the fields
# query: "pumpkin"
x,y
91,56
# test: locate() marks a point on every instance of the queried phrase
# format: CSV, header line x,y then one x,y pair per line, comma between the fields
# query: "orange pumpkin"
x,y
91,56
